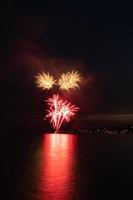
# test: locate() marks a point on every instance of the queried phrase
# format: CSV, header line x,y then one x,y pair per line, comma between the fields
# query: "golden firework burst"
x,y
45,81
69,80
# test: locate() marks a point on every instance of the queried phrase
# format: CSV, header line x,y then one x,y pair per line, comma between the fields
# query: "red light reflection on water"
x,y
58,166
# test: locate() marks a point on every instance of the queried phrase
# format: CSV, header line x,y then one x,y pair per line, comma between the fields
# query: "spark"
x,y
69,80
59,111
45,81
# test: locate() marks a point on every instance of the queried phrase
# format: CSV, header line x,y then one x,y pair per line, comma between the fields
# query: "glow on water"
x,y
57,166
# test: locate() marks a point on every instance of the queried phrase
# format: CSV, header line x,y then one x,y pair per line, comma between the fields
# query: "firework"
x,y
44,81
60,111
69,80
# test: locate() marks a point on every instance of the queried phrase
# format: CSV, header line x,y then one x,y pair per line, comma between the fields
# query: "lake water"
x,y
66,167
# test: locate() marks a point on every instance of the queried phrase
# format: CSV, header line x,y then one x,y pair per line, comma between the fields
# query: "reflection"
x,y
58,166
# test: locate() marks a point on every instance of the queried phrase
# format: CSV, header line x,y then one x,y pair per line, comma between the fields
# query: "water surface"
x,y
66,167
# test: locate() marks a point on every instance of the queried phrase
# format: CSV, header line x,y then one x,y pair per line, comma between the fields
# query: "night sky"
x,y
93,37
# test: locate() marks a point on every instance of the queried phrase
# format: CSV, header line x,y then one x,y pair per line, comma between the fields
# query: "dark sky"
x,y
94,36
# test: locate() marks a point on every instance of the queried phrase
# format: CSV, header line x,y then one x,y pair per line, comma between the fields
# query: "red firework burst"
x,y
60,111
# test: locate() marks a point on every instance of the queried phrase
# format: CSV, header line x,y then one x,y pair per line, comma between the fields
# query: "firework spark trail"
x,y
69,80
45,81
60,111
